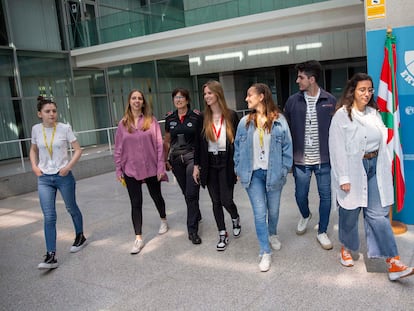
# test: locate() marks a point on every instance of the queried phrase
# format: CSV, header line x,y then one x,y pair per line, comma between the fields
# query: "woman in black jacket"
x,y
214,166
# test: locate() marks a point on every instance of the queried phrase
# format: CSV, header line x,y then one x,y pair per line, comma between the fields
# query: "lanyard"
x,y
219,131
49,147
261,135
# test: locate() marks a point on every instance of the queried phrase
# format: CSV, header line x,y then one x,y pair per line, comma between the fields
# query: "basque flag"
x,y
388,105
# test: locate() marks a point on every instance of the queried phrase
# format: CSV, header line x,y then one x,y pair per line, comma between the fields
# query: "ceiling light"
x,y
225,56
307,46
278,49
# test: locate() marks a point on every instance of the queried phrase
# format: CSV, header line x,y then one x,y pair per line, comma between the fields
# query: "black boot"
x,y
194,238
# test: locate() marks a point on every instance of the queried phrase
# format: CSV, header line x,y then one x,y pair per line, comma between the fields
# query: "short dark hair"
x,y
184,92
312,68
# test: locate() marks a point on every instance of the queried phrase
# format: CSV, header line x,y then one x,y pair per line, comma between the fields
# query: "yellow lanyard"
x,y
261,135
261,132
49,147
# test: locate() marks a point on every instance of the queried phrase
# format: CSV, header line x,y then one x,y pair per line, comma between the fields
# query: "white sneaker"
x,y
324,241
274,242
138,245
265,262
303,223
163,227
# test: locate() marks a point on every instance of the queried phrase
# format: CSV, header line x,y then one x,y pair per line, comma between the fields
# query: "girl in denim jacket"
x,y
262,159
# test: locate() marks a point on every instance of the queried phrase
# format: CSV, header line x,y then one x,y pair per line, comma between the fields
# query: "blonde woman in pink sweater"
x,y
139,158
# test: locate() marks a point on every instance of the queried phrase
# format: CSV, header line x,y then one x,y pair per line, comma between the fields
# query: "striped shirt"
x,y
312,155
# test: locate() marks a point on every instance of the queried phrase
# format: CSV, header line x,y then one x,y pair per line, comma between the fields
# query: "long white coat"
x,y
347,146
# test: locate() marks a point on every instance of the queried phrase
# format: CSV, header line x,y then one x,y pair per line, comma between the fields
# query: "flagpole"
x,y
397,226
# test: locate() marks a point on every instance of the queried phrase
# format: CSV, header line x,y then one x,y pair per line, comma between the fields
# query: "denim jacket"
x,y
280,157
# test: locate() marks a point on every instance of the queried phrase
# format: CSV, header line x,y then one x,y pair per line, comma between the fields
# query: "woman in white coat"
x,y
362,176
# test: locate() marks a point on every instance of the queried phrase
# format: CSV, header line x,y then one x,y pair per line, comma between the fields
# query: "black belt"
x,y
371,155
217,153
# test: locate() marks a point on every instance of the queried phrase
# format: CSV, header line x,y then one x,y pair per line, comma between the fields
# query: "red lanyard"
x,y
219,131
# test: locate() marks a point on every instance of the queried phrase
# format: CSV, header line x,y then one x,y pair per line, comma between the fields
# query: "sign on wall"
x,y
375,9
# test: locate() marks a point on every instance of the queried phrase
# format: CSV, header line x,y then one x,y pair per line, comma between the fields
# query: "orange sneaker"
x,y
346,258
397,270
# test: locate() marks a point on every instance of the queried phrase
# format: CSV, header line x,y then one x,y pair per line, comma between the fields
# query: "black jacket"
x,y
202,159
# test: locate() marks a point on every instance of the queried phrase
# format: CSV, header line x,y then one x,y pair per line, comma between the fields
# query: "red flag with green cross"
x,y
388,104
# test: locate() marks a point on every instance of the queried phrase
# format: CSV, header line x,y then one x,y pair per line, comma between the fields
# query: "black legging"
x,y
221,193
135,195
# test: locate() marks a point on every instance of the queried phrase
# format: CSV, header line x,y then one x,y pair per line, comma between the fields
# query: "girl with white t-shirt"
x,y
50,163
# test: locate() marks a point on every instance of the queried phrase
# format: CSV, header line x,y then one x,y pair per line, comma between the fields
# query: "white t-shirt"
x,y
59,159
220,144
261,153
374,135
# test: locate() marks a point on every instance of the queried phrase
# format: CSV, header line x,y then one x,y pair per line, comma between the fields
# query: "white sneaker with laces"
x,y
302,225
138,245
274,242
163,227
324,241
265,262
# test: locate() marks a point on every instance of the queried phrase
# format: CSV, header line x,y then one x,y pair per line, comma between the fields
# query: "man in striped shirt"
x,y
309,113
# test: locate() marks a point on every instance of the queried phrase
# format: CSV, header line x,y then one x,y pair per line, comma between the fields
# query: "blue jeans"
x,y
303,174
47,188
265,206
378,232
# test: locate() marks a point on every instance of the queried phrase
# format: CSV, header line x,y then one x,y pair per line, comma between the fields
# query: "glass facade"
x,y
120,19
32,64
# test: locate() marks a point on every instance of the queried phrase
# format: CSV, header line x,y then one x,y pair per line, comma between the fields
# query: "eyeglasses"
x,y
179,97
363,90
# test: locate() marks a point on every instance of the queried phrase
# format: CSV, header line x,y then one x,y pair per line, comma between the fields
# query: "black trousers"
x,y
135,195
182,168
221,193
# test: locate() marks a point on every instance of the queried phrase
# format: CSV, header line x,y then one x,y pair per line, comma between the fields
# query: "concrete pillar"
x,y
227,81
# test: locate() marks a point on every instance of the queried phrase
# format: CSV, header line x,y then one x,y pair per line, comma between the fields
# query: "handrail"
x,y
21,141
108,134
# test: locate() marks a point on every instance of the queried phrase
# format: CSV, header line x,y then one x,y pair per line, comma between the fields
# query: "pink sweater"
x,y
139,154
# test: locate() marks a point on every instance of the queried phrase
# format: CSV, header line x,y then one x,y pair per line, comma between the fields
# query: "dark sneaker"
x,y
50,261
80,242
236,227
223,241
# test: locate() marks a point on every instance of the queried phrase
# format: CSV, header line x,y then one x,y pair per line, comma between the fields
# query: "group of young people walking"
x,y
343,144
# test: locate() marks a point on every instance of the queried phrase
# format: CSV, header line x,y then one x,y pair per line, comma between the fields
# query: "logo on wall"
x,y
409,110
408,73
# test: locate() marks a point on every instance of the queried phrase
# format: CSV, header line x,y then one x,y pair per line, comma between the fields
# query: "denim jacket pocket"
x,y
243,138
